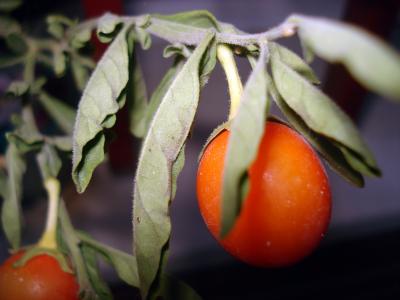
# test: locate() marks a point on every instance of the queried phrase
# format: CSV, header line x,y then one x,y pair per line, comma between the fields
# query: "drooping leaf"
x,y
323,145
11,210
123,263
9,5
62,113
72,243
357,163
137,99
25,136
49,162
318,111
250,118
208,63
152,192
100,102
101,288
373,63
108,26
161,90
293,61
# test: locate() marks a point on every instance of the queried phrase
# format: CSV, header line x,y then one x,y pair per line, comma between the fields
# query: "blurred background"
x,y
360,255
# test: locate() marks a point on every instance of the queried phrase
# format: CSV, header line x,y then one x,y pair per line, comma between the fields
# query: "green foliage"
x,y
368,59
164,140
100,101
165,120
250,118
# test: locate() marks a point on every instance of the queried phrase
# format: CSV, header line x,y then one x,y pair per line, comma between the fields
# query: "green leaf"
x,y
62,143
62,113
195,18
72,242
176,49
9,5
143,37
59,63
108,27
25,136
123,263
137,100
81,38
323,145
293,61
208,62
18,88
11,209
16,42
250,118
49,162
56,25
174,32
357,163
101,288
100,100
152,193
373,63
161,90
317,110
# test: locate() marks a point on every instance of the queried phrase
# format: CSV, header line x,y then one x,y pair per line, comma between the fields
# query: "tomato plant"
x,y
262,189
287,209
40,278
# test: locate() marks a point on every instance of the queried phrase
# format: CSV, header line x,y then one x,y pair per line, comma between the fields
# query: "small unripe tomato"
x,y
41,278
287,209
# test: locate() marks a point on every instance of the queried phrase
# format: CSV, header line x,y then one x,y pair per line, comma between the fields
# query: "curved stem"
x,y
227,60
49,237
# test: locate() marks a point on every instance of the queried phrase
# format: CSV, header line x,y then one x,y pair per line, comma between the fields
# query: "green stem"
x,y
49,237
227,60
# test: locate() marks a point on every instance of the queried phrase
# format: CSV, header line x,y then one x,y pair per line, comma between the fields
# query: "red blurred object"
x,y
120,151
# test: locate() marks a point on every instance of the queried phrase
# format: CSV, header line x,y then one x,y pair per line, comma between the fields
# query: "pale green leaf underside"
x,y
98,105
153,181
319,112
373,63
246,132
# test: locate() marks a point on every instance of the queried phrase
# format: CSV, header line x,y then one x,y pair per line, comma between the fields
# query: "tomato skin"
x,y
287,210
41,278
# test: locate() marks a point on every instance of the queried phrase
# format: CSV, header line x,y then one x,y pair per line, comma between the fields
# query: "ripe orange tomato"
x,y
41,278
287,209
